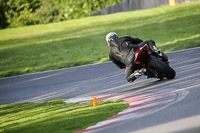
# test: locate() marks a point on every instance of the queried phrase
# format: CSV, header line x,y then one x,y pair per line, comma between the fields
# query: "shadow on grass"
x,y
59,116
169,23
91,47
15,108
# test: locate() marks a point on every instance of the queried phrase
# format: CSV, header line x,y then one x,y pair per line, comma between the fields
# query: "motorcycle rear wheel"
x,y
161,67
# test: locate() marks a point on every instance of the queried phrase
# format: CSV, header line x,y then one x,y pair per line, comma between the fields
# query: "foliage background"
x,y
15,13
82,41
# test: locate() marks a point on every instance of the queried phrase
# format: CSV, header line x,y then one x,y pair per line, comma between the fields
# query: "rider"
x,y
122,53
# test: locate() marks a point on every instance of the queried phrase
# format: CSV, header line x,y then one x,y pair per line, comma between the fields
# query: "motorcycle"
x,y
155,66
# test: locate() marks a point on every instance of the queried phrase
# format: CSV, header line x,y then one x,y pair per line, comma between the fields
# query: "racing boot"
x,y
136,74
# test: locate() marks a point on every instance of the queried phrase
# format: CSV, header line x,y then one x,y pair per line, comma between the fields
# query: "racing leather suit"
x,y
122,53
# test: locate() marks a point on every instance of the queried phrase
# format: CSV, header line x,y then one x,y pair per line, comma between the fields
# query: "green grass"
x,y
82,41
55,116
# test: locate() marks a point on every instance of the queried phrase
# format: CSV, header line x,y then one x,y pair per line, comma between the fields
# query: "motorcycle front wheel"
x,y
161,67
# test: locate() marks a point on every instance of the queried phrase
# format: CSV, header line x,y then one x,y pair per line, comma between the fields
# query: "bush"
x,y
49,12
83,8
15,13
3,18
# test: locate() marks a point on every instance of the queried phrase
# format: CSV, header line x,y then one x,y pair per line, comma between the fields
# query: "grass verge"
x,y
55,116
82,41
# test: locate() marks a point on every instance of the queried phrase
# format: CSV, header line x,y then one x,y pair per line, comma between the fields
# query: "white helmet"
x,y
111,36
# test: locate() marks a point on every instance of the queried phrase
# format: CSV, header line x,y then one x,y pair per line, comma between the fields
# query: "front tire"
x,y
161,67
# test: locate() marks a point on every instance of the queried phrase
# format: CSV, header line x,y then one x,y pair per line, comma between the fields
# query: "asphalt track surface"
x,y
181,113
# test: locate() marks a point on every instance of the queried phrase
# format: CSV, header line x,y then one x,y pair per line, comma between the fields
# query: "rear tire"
x,y
161,67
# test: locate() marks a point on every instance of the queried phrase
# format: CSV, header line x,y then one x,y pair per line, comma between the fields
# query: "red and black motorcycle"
x,y
155,65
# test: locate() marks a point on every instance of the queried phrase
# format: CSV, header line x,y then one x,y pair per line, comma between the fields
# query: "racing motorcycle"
x,y
154,64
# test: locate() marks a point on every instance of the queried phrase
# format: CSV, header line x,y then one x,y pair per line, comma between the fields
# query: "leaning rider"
x,y
122,53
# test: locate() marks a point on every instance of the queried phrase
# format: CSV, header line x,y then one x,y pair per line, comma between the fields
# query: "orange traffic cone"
x,y
95,103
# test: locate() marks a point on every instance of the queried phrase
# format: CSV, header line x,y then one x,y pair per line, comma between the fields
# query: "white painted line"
x,y
57,70
184,50
84,99
145,106
138,112
83,66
